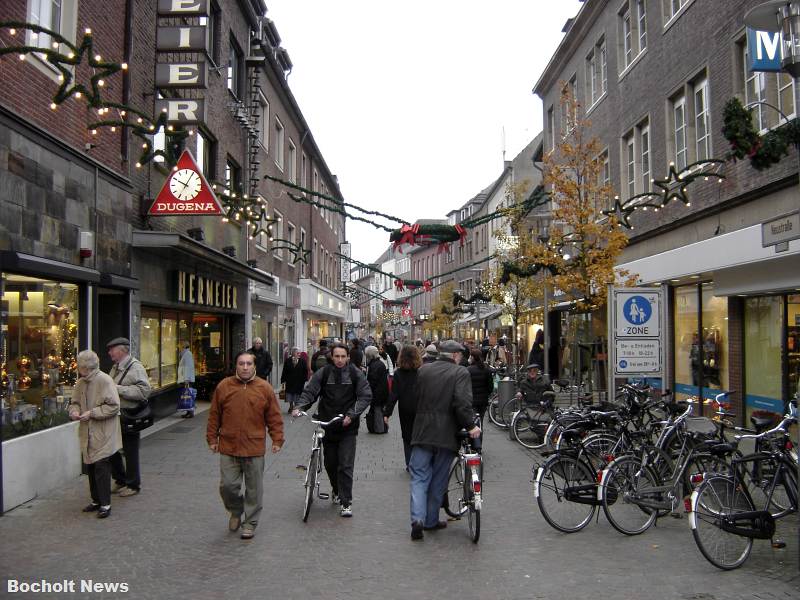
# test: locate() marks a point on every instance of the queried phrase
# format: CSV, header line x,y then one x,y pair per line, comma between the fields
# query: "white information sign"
x,y
637,356
637,345
638,314
344,263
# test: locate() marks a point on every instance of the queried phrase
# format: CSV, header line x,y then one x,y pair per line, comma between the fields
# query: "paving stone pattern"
x,y
171,541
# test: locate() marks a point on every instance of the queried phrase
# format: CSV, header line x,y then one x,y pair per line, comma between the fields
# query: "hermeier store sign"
x,y
204,291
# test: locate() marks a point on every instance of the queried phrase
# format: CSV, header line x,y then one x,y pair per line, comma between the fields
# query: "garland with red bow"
x,y
395,302
426,235
413,284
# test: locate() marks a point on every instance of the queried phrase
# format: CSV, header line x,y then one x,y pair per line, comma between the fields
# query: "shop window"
x,y
701,342
763,328
208,343
169,348
149,353
39,348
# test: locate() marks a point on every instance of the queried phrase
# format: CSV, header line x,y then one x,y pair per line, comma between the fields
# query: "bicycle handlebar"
x,y
781,427
322,423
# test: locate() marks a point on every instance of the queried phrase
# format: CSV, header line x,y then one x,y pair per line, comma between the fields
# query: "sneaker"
x,y
416,530
346,510
247,533
127,491
335,499
117,487
234,522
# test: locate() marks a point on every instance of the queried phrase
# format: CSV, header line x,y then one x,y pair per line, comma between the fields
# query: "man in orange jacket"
x,y
243,410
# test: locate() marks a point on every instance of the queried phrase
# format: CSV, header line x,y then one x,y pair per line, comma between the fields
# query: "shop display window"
x,y
208,343
714,337
169,348
149,351
39,347
687,343
763,332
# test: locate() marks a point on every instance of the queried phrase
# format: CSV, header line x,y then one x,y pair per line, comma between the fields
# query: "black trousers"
x,y
406,429
100,481
340,457
127,472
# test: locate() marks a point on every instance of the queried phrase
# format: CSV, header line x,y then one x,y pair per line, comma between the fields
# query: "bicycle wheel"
x,y
468,500
716,498
761,478
455,490
702,466
565,489
494,412
311,482
529,426
601,444
624,484
507,410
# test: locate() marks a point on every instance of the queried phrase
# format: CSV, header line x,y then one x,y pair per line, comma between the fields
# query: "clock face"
x,y
185,184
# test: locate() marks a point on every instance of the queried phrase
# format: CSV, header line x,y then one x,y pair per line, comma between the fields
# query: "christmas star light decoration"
x,y
299,254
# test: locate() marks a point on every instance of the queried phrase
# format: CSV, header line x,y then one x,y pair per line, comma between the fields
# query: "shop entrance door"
x,y
113,320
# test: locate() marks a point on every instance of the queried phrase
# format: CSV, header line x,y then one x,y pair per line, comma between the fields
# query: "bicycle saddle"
x,y
761,423
675,408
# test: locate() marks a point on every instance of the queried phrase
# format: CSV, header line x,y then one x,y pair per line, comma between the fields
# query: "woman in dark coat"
x,y
294,376
536,356
482,382
404,394
377,376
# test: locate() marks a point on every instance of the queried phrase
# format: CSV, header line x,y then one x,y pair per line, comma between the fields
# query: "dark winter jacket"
x,y
263,362
482,385
345,391
404,393
391,350
444,406
357,357
532,389
294,376
378,382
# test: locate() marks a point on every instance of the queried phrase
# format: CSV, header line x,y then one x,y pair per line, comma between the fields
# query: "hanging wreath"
x,y
413,284
510,269
762,150
476,297
395,302
427,235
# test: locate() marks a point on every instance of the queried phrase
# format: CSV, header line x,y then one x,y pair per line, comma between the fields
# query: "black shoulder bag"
x,y
134,420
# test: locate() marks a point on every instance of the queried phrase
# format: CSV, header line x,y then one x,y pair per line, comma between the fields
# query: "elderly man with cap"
x,y
532,385
444,407
133,388
430,355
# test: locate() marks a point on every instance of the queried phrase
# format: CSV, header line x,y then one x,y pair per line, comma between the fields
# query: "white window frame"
x,y
679,136
67,28
627,35
315,260
277,233
280,139
302,243
263,133
292,162
645,162
629,164
551,126
291,233
702,117
641,16
768,87
304,171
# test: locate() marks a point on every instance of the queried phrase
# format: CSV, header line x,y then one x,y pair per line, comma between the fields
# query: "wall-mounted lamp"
x,y
229,250
196,233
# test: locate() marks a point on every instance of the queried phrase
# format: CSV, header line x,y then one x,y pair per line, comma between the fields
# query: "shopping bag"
x,y
187,398
375,422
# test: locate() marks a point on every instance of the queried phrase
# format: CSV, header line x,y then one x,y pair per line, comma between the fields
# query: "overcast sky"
x,y
408,100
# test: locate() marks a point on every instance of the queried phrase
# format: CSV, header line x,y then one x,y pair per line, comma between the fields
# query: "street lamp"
x,y
544,237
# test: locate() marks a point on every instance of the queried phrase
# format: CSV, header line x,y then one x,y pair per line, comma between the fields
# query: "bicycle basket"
x,y
700,425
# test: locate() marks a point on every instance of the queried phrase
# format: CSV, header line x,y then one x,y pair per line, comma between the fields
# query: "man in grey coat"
x,y
444,407
133,388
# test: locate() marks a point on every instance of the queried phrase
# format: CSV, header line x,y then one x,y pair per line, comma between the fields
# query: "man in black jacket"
x,y
263,359
444,407
341,389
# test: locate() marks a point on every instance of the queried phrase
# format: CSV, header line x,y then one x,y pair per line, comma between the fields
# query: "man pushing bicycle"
x,y
341,388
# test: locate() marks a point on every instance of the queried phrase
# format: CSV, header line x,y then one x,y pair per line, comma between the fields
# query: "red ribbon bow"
x,y
462,233
398,283
408,235
427,285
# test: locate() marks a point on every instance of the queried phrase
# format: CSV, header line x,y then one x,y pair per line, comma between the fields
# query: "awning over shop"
x,y
172,241
45,267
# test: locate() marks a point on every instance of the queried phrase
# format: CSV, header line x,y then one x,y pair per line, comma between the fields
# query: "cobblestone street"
x,y
171,541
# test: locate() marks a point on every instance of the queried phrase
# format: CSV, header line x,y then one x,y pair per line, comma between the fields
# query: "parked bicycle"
x,y
465,486
729,511
315,464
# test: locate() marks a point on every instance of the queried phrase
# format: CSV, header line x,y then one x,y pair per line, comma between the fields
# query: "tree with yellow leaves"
x,y
442,313
584,244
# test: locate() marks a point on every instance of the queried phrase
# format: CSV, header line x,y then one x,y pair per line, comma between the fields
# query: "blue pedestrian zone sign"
x,y
764,50
637,315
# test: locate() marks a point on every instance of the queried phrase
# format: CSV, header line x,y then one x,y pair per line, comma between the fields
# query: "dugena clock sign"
x,y
185,192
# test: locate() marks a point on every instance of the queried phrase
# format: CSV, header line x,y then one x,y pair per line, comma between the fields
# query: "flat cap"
x,y
119,341
431,350
533,366
450,346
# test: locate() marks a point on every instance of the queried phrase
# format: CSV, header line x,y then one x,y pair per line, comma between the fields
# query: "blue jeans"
x,y
429,467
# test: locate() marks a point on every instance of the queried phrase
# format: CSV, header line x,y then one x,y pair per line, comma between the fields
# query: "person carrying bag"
x,y
188,397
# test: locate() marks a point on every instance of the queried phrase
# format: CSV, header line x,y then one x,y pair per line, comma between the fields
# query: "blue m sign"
x,y
764,50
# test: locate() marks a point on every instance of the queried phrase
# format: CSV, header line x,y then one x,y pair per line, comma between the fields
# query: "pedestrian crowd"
x,y
438,390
